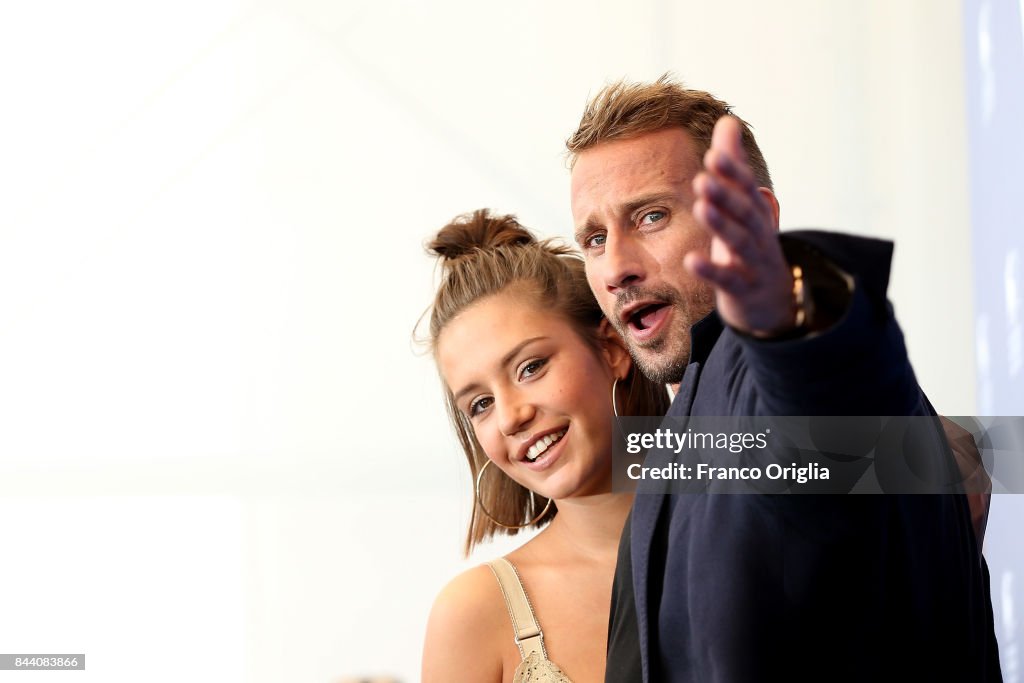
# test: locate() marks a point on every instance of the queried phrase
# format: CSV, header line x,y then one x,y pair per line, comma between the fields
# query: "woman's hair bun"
x,y
478,231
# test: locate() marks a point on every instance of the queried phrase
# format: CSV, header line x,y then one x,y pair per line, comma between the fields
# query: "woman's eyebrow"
x,y
505,360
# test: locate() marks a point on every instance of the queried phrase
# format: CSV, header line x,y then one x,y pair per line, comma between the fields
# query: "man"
x,y
674,212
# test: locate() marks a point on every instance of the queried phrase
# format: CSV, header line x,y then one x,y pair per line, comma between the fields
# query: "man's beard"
x,y
663,359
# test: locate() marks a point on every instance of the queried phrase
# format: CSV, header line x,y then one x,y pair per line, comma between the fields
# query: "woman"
x,y
530,368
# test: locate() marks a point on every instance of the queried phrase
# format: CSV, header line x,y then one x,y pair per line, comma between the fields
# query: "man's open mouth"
x,y
646,317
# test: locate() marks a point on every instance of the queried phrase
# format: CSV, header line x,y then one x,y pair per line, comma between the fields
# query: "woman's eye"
x,y
479,405
651,217
532,368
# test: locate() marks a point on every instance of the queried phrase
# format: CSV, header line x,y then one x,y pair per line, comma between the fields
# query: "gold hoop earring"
x,y
486,512
615,409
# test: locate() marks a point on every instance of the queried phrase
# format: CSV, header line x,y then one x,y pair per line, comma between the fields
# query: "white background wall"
x,y
221,455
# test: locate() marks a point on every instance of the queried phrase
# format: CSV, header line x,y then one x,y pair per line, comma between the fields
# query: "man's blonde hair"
x,y
625,110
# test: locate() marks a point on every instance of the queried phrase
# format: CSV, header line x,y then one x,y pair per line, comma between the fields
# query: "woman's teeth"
x,y
542,444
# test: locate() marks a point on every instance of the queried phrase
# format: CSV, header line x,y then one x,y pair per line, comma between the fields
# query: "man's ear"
x,y
773,202
613,350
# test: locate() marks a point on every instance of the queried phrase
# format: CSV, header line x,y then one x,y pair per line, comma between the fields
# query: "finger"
x,y
726,208
728,168
727,278
728,155
752,207
731,234
727,136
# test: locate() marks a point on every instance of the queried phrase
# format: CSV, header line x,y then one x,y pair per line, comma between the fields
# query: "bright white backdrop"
x,y
221,455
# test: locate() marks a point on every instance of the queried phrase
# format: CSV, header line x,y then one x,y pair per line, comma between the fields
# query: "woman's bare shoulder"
x,y
468,630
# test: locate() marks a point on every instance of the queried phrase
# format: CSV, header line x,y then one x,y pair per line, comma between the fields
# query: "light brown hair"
x,y
482,255
625,110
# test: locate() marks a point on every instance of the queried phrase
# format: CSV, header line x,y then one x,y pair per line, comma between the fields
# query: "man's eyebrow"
x,y
505,360
627,209
588,226
640,202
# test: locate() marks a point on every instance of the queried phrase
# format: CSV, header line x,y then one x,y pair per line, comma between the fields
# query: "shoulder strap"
x,y
529,637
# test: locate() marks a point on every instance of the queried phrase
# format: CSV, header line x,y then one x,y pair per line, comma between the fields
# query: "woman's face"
x,y
538,396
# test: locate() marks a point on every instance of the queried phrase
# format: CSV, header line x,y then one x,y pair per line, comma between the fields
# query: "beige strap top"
x,y
535,667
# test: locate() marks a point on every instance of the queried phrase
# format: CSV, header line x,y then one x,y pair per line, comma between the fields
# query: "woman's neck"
x,y
590,527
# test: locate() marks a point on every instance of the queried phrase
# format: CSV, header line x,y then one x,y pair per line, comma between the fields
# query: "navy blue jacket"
x,y
734,588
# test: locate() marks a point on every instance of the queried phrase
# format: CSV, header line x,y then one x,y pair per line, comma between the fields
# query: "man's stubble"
x,y
664,358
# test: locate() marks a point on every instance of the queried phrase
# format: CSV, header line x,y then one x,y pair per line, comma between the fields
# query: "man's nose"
x,y
515,413
622,265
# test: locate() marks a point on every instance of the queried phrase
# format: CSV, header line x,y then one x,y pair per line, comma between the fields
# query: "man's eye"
x,y
594,241
479,405
532,368
651,217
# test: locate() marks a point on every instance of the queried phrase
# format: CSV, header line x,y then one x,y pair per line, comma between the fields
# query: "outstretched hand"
x,y
753,283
